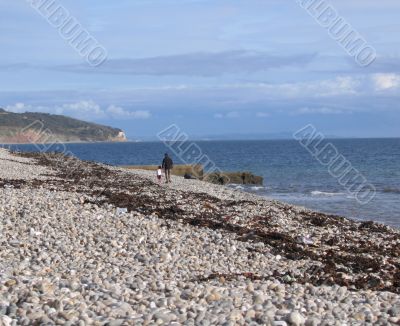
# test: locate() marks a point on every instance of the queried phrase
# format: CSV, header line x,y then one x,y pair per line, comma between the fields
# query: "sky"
x,y
210,67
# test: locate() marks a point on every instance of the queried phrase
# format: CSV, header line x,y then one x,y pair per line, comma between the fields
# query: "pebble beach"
x,y
89,244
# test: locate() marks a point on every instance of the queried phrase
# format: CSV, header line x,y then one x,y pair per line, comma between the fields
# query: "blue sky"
x,y
211,67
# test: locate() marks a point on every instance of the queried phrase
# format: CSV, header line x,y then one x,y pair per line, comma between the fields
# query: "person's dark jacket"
x,y
167,163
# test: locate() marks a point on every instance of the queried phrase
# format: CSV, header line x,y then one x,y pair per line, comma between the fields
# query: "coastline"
x,y
172,253
67,142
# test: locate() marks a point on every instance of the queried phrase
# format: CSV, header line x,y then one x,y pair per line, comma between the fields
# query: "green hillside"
x,y
43,127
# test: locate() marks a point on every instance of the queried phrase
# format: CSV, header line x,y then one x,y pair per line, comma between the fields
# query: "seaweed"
x,y
357,261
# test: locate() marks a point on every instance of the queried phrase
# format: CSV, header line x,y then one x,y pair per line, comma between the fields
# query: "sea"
x,y
291,173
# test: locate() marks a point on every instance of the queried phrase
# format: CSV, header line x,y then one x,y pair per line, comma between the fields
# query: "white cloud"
x,y
386,81
82,107
229,115
22,107
18,108
262,115
117,111
232,115
341,85
322,110
86,109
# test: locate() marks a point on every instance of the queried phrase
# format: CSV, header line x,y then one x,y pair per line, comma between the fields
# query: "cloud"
x,y
338,86
325,96
120,112
18,108
262,115
81,107
386,81
229,115
232,115
323,110
196,64
86,109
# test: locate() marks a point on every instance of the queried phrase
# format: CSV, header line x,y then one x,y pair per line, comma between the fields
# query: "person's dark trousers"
x,y
167,175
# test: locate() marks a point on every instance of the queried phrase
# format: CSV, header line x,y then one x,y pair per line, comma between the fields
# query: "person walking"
x,y
167,165
159,174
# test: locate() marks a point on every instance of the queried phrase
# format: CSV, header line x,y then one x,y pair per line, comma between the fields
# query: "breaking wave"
x,y
326,194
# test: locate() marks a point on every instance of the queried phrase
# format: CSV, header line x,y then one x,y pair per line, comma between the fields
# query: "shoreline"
x,y
67,142
199,237
317,204
384,207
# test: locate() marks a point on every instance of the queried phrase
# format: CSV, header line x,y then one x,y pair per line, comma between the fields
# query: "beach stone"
x,y
259,299
359,316
200,316
3,309
35,315
214,296
10,283
11,310
250,287
296,318
394,311
169,259
117,322
186,295
250,314
6,320
313,321
236,316
46,287
342,291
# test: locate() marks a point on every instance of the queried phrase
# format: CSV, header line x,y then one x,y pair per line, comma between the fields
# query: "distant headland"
x,y
33,127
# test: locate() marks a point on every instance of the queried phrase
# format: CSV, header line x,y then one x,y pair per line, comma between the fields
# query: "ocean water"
x,y
290,173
